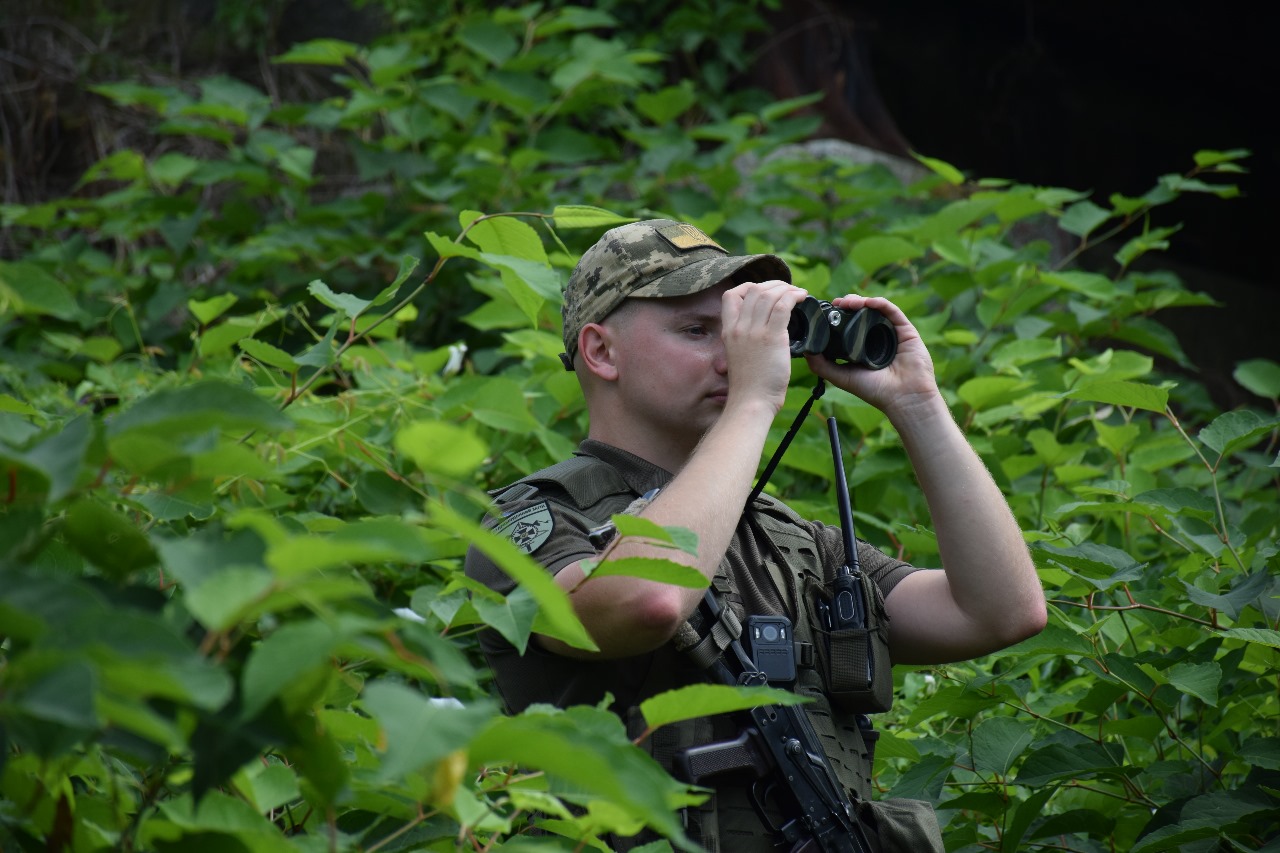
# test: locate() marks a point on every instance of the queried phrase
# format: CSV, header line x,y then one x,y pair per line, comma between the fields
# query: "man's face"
x,y
672,369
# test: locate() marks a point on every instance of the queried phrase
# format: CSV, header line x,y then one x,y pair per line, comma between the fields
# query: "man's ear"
x,y
595,345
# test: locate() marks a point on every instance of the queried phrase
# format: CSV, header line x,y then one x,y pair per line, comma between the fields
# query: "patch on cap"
x,y
684,237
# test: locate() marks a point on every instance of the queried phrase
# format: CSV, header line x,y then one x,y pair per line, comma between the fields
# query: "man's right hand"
x,y
754,318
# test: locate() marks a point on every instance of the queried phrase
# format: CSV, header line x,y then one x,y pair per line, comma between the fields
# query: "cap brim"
x,y
700,275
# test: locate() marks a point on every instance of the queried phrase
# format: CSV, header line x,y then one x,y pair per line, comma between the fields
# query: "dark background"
x,y
1096,96
1093,96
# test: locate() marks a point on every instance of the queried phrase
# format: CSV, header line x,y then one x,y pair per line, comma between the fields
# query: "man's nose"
x,y
721,360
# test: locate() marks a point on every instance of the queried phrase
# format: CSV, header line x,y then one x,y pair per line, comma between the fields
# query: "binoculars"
x,y
864,337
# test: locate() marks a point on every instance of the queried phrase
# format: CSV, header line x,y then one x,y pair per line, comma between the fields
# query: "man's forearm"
x,y
995,597
627,615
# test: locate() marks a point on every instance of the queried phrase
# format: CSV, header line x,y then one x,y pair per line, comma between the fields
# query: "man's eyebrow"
x,y
685,315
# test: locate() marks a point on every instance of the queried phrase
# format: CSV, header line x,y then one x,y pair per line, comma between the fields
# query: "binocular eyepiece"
x,y
864,337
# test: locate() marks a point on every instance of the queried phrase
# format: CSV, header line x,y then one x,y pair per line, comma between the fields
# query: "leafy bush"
x,y
247,414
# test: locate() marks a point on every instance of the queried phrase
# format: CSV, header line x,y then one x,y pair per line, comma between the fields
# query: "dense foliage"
x,y
248,412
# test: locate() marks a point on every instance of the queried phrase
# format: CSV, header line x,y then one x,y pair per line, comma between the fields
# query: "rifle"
x,y
778,748
780,751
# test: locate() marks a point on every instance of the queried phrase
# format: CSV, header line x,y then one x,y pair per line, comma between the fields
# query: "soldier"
x,y
681,350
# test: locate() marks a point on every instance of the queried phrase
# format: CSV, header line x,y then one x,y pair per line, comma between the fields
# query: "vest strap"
x,y
709,649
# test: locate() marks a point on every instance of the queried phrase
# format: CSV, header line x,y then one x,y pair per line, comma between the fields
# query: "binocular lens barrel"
x,y
864,337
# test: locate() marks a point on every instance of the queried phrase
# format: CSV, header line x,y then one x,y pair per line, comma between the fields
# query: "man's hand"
x,y
754,318
896,389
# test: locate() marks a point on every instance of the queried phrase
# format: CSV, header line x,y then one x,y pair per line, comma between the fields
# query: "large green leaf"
x,y
705,700
1132,394
556,616
1235,431
587,750
27,289
441,447
197,408
586,216
1057,762
420,730
998,743
650,568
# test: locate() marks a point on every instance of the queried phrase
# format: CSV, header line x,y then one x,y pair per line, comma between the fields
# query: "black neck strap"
x,y
818,391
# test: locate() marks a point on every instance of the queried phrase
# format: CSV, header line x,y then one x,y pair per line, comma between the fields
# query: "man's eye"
x,y
696,329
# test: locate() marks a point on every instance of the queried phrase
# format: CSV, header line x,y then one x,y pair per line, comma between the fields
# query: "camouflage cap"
x,y
654,258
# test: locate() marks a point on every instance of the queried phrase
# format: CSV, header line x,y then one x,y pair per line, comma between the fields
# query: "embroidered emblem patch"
x,y
528,528
684,236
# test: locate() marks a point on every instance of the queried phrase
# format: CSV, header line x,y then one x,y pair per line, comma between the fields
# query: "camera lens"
x,y
770,633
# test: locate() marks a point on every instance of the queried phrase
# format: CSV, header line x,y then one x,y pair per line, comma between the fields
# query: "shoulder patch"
x,y
528,528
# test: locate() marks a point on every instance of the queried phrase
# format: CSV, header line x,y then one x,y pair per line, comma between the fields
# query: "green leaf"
x,y
998,742
351,306
172,168
62,456
108,539
661,107
447,248
318,52
1262,752
650,568
1177,836
122,165
588,750
1152,241
15,406
556,615
985,392
512,617
288,656
1200,680
1078,761
1245,589
1025,814
1259,375
1261,636
1082,218
1238,430
198,408
420,730
949,173
408,263
366,541
220,597
504,235
208,310
634,525
27,290
136,94
64,695
500,403
1089,284
439,447
1094,561
1180,501
268,354
872,253
1132,394
705,700
1209,158
494,43
585,216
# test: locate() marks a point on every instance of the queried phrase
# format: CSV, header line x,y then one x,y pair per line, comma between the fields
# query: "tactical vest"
x,y
593,490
